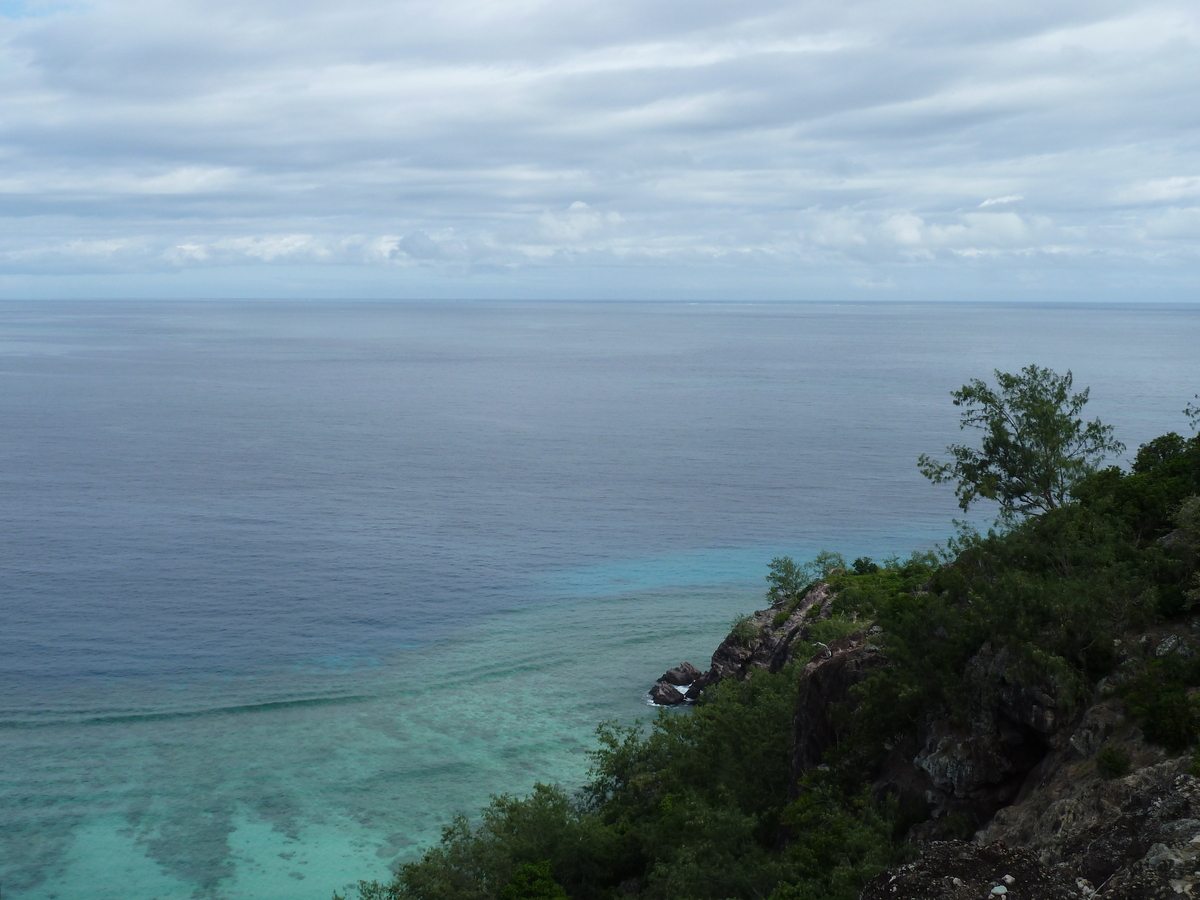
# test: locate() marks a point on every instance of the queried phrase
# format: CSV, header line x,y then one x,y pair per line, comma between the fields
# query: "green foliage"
x,y
1165,472
704,798
1040,603
789,581
1035,447
827,563
534,881
847,841
1162,696
743,629
1187,521
1112,762
1172,721
864,566
480,862
829,630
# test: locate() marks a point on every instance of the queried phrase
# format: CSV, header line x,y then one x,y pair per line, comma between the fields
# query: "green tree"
x,y
1035,448
788,579
534,881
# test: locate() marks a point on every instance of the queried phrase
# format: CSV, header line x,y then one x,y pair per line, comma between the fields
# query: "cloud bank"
x,y
600,148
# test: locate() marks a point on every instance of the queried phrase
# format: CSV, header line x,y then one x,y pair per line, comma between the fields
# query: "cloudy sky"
x,y
867,149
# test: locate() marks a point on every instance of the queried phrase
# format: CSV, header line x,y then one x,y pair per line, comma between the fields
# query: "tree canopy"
x,y
1035,449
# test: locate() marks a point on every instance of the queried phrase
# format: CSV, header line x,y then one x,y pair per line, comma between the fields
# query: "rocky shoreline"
x,y
1017,803
765,640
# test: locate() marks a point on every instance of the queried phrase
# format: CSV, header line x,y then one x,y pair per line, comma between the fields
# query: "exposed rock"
x,y
1148,848
1130,838
1173,643
666,694
964,768
1097,727
681,675
698,686
821,716
766,641
1016,760
955,870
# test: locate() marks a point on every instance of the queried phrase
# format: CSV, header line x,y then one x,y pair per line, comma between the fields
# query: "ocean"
x,y
284,586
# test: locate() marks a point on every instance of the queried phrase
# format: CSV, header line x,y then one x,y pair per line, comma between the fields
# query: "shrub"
x,y
864,566
1171,722
833,628
1112,762
534,881
743,629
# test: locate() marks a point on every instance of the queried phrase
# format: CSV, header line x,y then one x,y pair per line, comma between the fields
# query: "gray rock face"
x,y
964,768
1148,848
763,643
825,685
698,686
956,870
1135,837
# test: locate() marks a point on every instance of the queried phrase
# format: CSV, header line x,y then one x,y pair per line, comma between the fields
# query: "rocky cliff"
x,y
766,640
1049,798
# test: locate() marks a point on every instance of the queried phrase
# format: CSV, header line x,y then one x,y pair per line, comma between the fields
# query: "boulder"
x,y
698,686
681,675
666,695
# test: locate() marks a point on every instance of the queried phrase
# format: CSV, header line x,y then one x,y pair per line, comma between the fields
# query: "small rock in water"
x,y
666,695
999,890
681,675
1008,879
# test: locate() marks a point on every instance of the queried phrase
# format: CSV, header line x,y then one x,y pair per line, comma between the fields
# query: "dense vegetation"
x,y
702,805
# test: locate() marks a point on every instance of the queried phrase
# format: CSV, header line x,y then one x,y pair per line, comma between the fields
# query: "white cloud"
x,y
1161,190
996,201
577,223
814,138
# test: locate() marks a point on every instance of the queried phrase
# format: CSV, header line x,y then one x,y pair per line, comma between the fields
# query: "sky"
x,y
658,149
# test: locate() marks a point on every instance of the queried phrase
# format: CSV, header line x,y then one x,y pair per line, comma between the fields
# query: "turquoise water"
x,y
287,585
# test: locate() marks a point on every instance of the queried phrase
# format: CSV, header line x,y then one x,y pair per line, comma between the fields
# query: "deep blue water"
x,y
285,585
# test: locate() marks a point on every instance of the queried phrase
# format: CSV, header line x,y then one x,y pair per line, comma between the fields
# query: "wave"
x,y
121,718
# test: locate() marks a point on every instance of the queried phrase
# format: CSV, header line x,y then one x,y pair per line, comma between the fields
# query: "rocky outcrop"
x,y
764,641
682,675
666,695
824,703
963,768
956,870
1147,848
673,687
1096,836
1016,763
